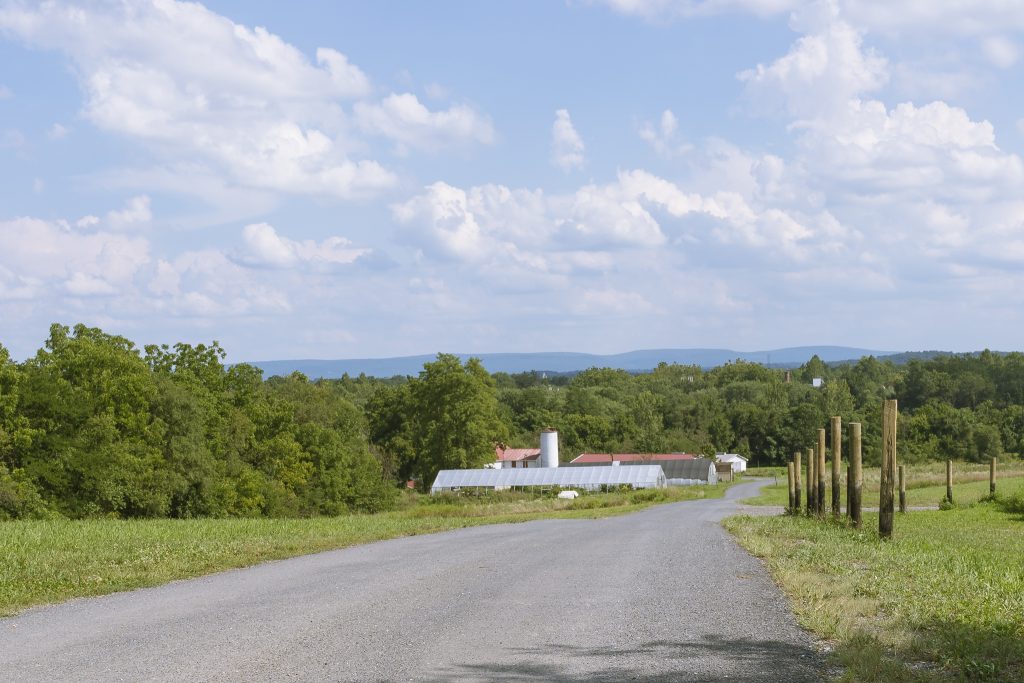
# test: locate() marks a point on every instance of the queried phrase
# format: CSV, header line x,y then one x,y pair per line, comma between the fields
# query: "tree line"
x,y
93,425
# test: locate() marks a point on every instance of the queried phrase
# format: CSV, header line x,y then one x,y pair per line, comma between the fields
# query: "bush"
x,y
649,496
19,499
1012,504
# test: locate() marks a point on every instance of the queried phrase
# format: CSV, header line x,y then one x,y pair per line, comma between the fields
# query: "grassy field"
x,y
942,601
926,484
51,561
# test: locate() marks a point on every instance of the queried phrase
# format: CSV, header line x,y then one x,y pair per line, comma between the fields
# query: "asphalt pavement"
x,y
659,595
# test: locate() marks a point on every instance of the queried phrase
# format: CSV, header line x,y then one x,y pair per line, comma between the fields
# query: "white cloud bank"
x,y
192,84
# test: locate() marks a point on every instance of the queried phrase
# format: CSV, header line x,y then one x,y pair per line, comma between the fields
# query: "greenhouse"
x,y
677,472
545,478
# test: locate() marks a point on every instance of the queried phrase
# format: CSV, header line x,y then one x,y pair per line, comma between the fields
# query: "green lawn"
x,y
942,601
51,561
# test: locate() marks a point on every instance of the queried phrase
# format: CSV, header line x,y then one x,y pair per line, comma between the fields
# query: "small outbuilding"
x,y
505,457
738,462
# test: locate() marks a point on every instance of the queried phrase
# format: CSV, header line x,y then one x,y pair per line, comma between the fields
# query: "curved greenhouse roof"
x,y
637,476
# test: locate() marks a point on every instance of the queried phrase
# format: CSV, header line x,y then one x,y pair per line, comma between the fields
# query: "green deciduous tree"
x,y
454,416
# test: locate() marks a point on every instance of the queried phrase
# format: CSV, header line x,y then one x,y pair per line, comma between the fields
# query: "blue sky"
x,y
355,179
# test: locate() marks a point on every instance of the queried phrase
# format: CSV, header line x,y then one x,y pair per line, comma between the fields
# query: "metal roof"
x,y
508,454
695,468
631,457
639,476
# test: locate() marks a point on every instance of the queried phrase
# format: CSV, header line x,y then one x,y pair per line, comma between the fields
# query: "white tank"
x,y
549,448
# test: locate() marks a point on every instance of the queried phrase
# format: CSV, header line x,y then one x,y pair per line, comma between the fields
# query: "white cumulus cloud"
x,y
663,136
405,120
265,247
566,144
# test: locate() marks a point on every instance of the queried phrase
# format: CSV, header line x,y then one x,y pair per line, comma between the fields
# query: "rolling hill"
x,y
565,362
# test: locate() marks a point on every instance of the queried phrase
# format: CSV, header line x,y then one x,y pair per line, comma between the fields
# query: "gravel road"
x,y
659,595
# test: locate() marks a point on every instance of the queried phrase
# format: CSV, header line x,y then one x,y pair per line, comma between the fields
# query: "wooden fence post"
x,y
855,474
992,477
819,469
797,484
790,480
849,491
812,482
949,481
903,489
837,474
885,497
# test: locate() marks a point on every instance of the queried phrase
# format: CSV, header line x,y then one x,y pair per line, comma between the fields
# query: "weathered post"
x,y
797,485
903,489
819,469
992,477
855,474
790,480
837,450
949,481
849,491
885,497
812,482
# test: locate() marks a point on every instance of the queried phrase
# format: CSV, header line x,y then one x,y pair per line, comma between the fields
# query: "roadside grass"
x,y
773,471
55,560
926,484
942,601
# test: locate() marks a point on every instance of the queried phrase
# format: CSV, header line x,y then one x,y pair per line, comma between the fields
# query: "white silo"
x,y
549,448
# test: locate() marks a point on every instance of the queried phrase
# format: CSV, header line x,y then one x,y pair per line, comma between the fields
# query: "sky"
x,y
366,179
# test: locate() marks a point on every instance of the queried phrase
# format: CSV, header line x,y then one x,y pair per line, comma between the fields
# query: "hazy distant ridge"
x,y
566,361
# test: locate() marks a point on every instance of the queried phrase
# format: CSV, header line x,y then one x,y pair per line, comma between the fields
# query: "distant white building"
x,y
817,382
738,462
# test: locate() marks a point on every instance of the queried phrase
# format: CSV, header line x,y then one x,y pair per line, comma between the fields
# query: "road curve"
x,y
659,595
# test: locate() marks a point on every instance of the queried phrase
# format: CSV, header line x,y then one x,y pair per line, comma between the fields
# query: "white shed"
x,y
738,462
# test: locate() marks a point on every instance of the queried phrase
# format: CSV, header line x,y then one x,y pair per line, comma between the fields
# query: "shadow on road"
x,y
711,658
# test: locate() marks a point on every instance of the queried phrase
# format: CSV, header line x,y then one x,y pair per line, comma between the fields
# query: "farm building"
x,y
738,462
678,472
545,478
545,456
505,457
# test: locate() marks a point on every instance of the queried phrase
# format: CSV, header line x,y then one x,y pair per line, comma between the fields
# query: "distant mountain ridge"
x,y
566,362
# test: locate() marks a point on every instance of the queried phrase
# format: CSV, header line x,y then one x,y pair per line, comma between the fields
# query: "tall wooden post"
x,y
790,481
812,482
949,481
837,475
849,491
855,474
797,483
885,494
819,469
992,477
903,489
